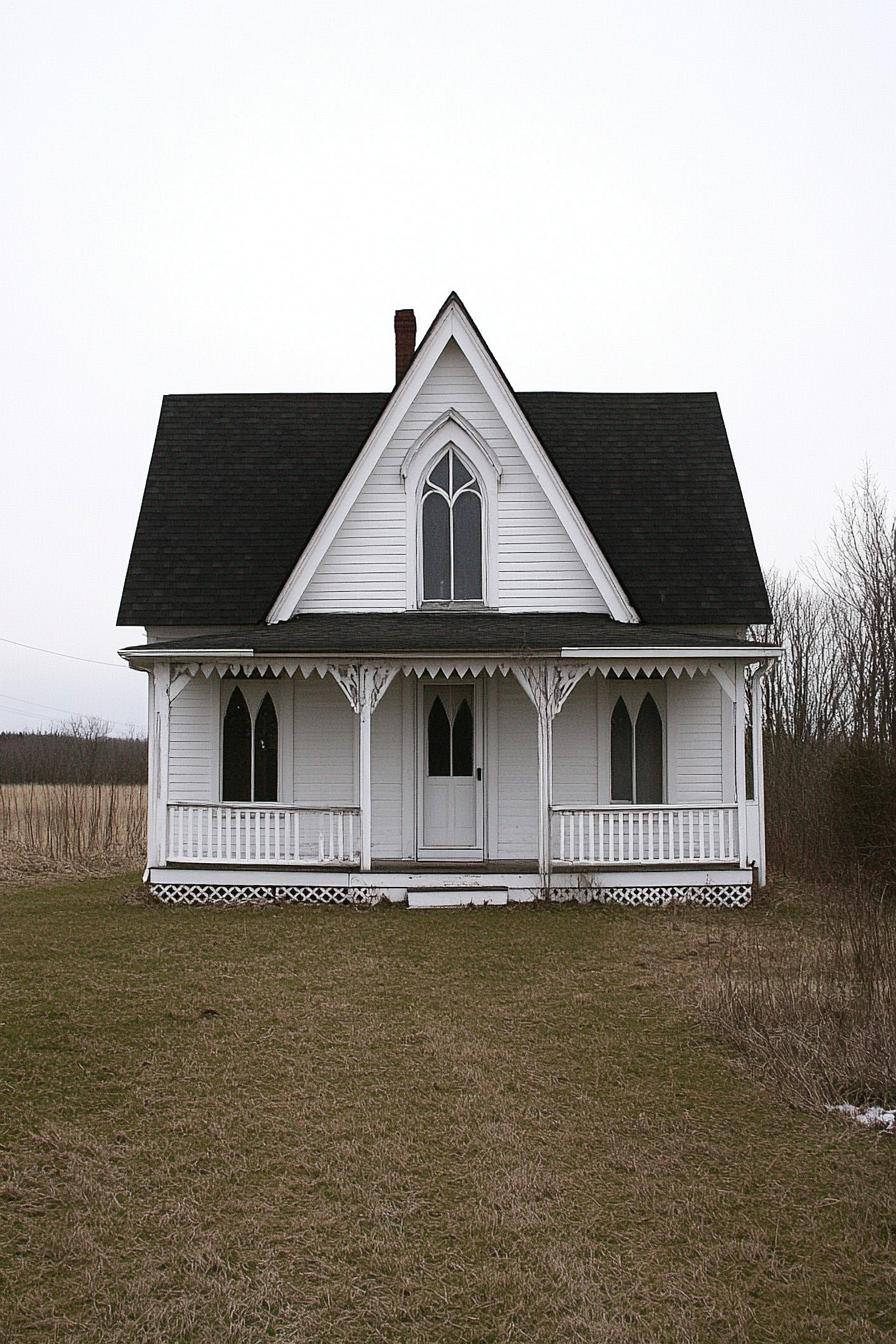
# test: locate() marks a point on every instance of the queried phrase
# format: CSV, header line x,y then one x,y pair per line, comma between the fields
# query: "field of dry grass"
x,y
338,1125
48,829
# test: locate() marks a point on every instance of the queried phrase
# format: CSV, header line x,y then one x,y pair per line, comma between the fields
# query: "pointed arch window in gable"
x,y
451,532
249,751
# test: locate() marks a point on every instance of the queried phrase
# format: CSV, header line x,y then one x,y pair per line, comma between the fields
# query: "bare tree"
x,y
857,575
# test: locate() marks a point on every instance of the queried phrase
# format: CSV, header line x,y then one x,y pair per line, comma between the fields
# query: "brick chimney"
x,y
405,341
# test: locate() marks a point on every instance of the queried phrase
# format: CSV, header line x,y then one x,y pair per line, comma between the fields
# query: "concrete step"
x,y
450,898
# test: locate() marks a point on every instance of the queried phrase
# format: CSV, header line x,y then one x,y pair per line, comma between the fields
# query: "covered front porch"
x,y
592,837
392,774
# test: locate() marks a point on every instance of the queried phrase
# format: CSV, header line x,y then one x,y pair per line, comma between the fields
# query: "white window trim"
x,y
632,692
448,432
254,690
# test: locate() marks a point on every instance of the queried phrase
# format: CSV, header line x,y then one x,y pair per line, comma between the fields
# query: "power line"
x,y
29,714
50,718
71,713
73,657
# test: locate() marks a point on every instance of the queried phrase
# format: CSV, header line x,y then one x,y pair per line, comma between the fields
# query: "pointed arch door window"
x,y
451,532
450,742
249,751
636,753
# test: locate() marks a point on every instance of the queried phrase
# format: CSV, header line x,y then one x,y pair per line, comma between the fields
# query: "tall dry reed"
x,y
71,828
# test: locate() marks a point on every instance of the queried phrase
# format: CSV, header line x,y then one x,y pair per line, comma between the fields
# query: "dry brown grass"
x,y
48,829
331,1125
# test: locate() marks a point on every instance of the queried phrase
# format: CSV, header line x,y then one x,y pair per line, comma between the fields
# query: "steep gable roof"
x,y
236,486
239,484
655,479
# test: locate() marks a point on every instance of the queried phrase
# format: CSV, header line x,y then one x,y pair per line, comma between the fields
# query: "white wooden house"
x,y
449,642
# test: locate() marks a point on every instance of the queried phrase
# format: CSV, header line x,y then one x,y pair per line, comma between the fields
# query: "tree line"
x,y
80,752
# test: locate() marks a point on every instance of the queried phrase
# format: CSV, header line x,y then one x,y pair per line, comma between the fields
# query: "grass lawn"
x,y
333,1124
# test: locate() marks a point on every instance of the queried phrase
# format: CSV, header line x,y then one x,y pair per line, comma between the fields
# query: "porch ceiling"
x,y
422,633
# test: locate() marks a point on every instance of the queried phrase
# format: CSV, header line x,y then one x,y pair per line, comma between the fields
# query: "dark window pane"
x,y
436,553
621,754
439,473
237,751
649,753
462,740
266,752
439,734
460,475
468,546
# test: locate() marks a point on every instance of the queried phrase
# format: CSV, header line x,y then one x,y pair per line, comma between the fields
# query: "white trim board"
x,y
678,651
453,322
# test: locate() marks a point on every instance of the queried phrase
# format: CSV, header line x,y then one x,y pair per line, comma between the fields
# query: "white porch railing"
x,y
264,833
622,834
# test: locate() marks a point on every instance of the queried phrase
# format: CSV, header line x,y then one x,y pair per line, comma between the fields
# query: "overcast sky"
x,y
235,197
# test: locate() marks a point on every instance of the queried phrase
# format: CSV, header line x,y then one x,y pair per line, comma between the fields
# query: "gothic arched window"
x,y
621,762
451,532
649,753
636,754
236,784
249,751
265,790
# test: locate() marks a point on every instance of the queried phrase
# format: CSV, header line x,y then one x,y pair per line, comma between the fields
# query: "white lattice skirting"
x,y
730,898
181,893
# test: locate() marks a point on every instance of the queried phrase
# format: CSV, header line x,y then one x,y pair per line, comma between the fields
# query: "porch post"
x,y
545,790
757,690
547,685
364,716
157,837
364,685
152,764
740,762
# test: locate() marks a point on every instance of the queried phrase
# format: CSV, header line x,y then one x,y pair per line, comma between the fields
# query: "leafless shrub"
x,y
812,1007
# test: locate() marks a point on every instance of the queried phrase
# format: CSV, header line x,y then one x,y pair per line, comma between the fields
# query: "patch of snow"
x,y
872,1117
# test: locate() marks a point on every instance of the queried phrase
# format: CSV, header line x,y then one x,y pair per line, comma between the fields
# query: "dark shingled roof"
x,y
438,632
237,485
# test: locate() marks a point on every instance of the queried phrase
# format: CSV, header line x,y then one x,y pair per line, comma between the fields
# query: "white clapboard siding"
x,y
325,752
575,747
513,755
192,743
365,567
386,761
695,756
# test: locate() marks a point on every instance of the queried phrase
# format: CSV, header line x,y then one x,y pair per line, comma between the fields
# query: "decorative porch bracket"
x,y
178,683
548,686
364,685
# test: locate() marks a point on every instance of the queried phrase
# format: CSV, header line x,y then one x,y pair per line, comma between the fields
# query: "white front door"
x,y
450,771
